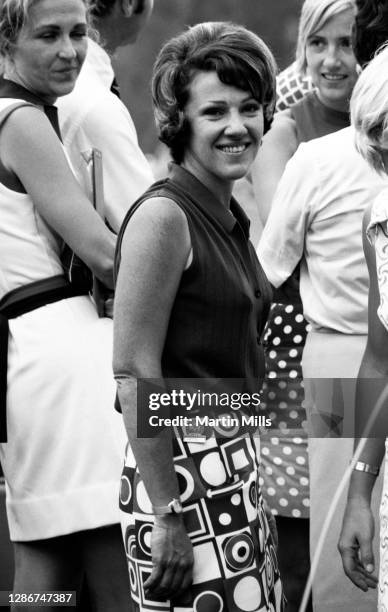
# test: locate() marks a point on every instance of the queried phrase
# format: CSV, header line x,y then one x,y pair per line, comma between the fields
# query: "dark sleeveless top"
x,y
223,298
313,119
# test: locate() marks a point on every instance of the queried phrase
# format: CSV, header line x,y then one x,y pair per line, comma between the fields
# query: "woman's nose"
x,y
236,124
332,59
67,50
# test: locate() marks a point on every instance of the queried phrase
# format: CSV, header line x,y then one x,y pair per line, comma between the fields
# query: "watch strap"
x,y
173,507
366,467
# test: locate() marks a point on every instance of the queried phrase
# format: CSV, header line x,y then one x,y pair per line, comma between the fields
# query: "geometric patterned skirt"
x,y
235,565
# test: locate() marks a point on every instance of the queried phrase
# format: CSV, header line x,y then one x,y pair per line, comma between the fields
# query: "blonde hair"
x,y
369,111
314,15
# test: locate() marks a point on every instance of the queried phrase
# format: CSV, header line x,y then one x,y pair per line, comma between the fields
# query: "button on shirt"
x,y
316,218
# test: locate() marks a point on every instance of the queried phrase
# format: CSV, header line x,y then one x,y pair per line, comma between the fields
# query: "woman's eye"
x,y
48,35
78,35
346,43
214,111
317,43
251,108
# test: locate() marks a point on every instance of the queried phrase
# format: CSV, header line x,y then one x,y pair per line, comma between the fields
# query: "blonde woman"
x,y
325,56
61,453
369,109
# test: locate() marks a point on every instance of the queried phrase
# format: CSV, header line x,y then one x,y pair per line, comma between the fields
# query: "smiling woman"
x,y
64,445
325,53
331,62
191,302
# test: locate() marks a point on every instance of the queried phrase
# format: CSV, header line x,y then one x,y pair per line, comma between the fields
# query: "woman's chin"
x,y
63,89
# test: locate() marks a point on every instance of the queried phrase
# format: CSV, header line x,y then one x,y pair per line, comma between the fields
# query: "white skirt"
x,y
64,454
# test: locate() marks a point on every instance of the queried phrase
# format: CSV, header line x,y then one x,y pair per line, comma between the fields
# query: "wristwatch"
x,y
173,507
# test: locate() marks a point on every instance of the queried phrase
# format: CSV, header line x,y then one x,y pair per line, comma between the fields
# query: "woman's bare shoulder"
x,y
283,124
26,118
161,226
161,211
282,135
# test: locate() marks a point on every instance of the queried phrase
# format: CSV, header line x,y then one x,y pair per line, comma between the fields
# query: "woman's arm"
x,y
278,146
31,150
356,539
154,253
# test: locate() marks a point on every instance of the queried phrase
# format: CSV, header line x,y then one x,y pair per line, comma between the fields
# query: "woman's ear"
x,y
127,7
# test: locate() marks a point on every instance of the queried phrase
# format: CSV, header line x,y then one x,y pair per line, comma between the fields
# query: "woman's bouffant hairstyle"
x,y
313,17
13,15
238,56
371,30
369,111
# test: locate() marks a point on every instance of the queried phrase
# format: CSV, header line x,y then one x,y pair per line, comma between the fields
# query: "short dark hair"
x,y
102,8
371,29
237,55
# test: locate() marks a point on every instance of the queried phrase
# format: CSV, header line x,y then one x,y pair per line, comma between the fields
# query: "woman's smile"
x,y
233,149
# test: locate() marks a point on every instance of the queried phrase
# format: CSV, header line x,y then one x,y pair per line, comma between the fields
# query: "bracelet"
x,y
365,467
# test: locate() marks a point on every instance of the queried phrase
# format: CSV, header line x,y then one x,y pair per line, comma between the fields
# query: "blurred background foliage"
x,y
274,20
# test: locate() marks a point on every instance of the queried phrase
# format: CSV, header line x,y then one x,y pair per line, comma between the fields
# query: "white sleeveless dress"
x,y
63,459
377,234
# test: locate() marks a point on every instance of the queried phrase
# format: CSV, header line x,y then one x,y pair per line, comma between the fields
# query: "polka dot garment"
x,y
284,463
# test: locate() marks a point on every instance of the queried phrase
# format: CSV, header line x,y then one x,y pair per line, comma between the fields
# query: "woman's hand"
x,y
172,558
355,544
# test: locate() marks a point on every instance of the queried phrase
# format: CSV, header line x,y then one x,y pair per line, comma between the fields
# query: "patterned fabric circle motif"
x,y
212,470
253,494
144,538
239,552
125,490
225,430
186,482
247,594
208,601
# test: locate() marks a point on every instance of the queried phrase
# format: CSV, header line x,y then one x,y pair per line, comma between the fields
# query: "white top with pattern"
x,y
377,232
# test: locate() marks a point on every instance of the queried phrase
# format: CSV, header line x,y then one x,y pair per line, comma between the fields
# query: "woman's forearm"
x,y
370,384
361,482
154,457
100,256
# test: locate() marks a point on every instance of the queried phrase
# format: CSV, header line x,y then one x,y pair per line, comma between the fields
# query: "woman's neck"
x,y
341,106
14,78
221,189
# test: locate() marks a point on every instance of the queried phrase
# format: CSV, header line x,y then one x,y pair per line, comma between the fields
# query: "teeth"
x,y
334,77
233,149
